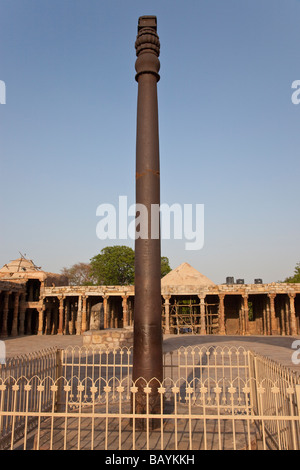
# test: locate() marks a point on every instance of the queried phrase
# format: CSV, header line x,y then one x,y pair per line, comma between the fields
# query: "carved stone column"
x,y
282,315
67,316
286,304
41,311
22,313
167,313
4,333
273,314
202,314
222,330
246,315
125,310
79,315
61,315
72,322
48,320
83,318
105,319
14,329
293,322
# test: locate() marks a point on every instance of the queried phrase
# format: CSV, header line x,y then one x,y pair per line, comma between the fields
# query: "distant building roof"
x,y
185,274
25,269
20,265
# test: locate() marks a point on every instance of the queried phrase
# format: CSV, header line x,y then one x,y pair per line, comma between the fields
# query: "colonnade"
x,y
12,318
264,313
63,314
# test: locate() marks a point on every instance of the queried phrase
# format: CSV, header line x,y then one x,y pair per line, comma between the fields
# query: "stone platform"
x,y
111,337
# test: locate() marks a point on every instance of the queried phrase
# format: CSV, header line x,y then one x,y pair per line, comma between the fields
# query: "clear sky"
x,y
229,132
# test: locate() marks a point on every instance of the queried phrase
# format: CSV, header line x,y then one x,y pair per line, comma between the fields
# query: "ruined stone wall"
x,y
109,338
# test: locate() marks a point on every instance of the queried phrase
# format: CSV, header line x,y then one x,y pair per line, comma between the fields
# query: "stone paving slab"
x,y
278,348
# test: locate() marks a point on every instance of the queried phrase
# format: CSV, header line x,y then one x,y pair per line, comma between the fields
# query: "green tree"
x,y
296,276
114,266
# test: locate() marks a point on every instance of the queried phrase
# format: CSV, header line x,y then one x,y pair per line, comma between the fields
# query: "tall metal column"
x,y
147,355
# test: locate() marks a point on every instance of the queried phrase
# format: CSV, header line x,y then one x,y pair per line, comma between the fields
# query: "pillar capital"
x,y
147,47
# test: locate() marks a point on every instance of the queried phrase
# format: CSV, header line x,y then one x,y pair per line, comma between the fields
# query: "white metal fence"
x,y
211,398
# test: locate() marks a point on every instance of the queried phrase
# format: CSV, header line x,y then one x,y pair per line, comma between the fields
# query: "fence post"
x,y
253,378
59,379
297,387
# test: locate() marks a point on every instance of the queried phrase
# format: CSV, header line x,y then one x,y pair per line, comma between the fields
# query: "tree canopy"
x,y
79,274
113,266
296,277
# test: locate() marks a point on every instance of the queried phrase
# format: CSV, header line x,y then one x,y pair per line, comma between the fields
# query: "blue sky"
x,y
229,132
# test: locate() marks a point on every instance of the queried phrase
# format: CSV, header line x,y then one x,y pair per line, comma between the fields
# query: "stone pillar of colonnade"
x,y
245,322
130,311
61,315
167,313
79,315
66,317
287,315
125,310
273,314
14,329
283,315
22,313
264,316
268,313
4,333
222,330
73,316
48,320
105,310
41,311
83,315
292,314
202,314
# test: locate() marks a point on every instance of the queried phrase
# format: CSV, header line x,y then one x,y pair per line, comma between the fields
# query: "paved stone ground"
x,y
278,348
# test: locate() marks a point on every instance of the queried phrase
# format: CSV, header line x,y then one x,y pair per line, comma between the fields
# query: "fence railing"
x,y
276,394
211,398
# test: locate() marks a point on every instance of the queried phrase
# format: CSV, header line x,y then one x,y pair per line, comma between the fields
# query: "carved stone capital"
x,y
147,47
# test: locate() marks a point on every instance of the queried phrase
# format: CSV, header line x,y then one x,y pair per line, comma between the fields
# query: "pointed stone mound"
x,y
185,274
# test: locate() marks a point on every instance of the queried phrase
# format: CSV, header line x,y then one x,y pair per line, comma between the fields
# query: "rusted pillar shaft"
x,y
147,355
